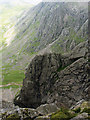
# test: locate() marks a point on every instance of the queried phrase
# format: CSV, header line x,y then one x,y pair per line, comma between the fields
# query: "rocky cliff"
x,y
55,78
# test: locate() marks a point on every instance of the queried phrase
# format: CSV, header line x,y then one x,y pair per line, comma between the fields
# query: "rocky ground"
x,y
80,111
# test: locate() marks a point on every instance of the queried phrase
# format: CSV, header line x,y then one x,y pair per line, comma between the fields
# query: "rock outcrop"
x,y
40,77
53,78
48,112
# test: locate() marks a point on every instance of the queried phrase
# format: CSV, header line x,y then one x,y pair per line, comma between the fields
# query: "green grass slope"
x,y
9,15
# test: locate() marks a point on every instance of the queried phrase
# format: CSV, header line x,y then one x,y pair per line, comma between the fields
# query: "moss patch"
x,y
12,76
63,114
13,117
87,110
61,68
77,110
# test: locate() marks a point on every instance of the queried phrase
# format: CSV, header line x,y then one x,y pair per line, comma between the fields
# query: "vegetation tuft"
x,y
63,114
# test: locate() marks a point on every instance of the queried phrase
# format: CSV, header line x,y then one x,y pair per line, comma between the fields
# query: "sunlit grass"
x,y
8,16
12,76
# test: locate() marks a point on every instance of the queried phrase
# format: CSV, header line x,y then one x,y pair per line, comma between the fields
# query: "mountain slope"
x,y
46,23
55,27
9,13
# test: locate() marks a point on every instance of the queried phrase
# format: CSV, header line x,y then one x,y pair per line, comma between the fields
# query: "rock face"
x,y
40,77
71,84
54,78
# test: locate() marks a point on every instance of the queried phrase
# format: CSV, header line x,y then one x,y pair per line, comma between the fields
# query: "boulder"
x,y
55,78
47,109
40,77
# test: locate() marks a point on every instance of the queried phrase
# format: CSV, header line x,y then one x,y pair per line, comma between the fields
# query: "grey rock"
x,y
43,112
47,109
22,113
78,104
54,78
72,45
79,50
82,116
39,78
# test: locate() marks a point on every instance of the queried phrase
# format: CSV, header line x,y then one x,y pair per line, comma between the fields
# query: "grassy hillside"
x,y
9,14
